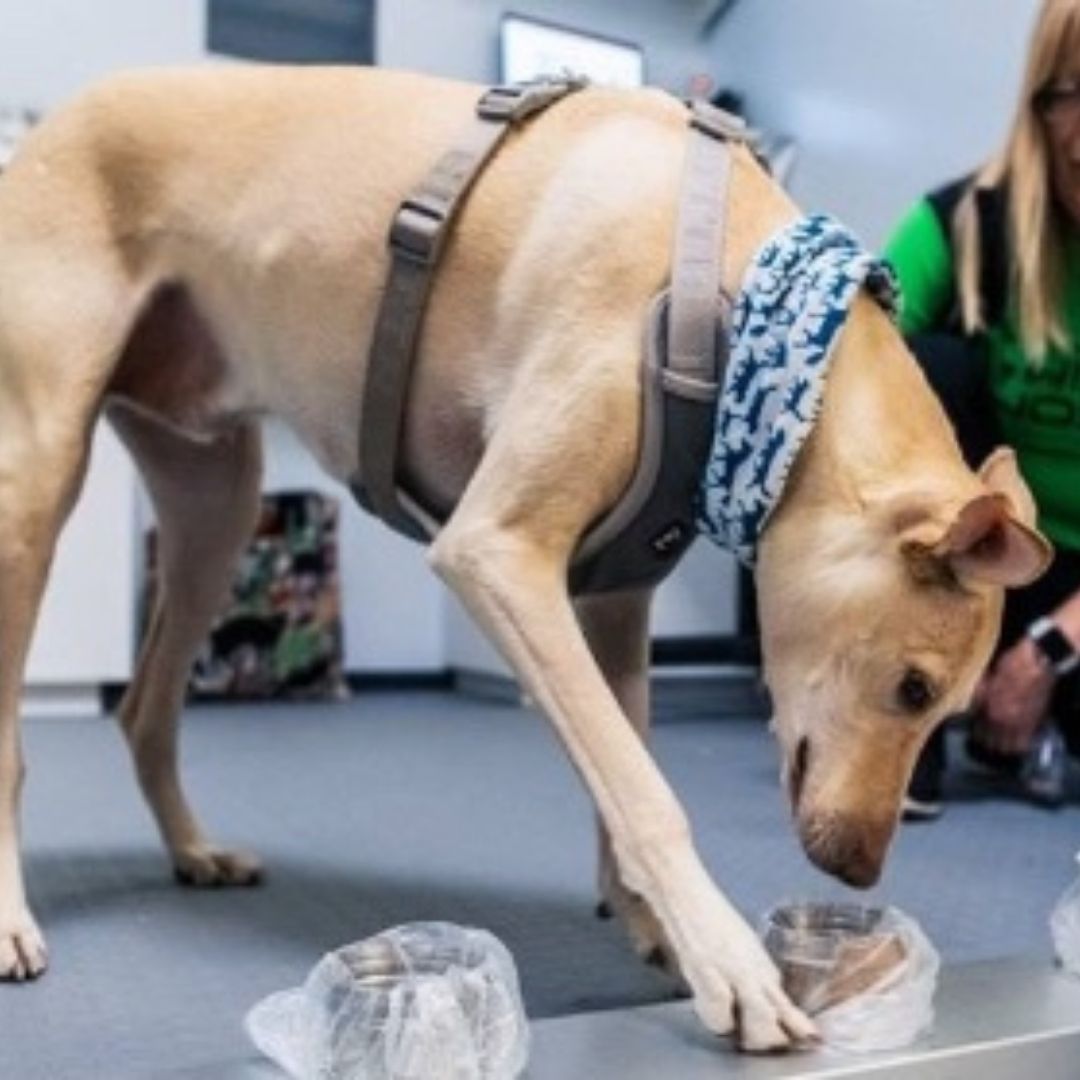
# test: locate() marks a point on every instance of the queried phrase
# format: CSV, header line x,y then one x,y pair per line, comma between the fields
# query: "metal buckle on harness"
x,y
417,231
513,102
501,102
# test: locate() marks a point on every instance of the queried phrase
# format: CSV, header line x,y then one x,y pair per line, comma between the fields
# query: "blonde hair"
x,y
1035,233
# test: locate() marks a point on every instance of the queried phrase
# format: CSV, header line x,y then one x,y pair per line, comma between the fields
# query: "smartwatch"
x,y
1053,646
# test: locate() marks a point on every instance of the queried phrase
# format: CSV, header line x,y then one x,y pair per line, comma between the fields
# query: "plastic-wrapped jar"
x,y
424,1001
867,975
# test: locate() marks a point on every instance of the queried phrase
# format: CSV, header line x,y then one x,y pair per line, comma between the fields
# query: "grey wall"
x,y
885,99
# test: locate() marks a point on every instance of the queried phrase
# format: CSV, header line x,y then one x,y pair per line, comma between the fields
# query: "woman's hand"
x,y
1015,699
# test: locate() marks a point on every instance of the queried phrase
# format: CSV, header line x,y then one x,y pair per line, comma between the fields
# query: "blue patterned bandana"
x,y
793,301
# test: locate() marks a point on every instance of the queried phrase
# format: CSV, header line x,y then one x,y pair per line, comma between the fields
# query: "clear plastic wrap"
x,y
424,1001
1065,927
866,975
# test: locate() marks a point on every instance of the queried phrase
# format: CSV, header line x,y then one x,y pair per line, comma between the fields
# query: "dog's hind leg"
x,y
206,496
616,626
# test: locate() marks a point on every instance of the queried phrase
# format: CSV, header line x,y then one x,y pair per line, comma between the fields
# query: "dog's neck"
x,y
881,436
882,432
880,426
788,316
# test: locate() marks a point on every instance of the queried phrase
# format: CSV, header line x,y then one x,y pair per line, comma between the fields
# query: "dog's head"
x,y
880,594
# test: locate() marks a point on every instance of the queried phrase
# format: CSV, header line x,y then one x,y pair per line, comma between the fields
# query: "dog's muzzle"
x,y
851,850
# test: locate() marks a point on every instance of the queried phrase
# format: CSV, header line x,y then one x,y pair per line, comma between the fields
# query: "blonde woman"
x,y
990,272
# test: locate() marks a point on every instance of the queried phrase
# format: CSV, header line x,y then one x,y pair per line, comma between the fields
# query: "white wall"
x,y
885,99
51,48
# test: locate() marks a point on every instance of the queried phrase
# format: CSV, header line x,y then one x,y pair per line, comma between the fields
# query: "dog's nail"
x,y
603,910
657,958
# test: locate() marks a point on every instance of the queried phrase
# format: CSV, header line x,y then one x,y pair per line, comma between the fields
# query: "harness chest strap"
x,y
642,537
417,237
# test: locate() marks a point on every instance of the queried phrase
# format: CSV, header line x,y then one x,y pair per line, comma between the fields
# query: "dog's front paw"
x,y
737,990
22,948
212,867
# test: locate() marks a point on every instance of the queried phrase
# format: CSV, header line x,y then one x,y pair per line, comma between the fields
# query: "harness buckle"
x,y
418,230
511,103
500,102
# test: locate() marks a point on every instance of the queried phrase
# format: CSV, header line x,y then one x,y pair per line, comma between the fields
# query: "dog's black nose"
x,y
853,853
858,871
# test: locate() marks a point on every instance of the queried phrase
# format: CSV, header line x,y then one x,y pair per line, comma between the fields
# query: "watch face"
x,y
1053,644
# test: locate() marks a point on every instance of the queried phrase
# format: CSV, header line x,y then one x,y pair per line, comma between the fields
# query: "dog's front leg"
x,y
516,590
616,626
513,580
40,473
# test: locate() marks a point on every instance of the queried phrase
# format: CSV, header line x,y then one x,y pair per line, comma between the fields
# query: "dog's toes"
x,y
795,1022
208,868
768,1024
23,954
759,1027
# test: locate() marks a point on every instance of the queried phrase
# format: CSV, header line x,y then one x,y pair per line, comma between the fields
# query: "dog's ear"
x,y
988,541
991,538
1000,473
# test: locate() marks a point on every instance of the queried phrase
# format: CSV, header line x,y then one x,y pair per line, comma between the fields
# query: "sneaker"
x,y
915,810
1043,774
923,801
1003,764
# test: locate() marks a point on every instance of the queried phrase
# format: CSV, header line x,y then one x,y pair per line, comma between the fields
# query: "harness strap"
x,y
417,237
696,269
642,538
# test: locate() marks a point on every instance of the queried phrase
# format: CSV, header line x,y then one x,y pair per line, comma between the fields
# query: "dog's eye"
x,y
916,692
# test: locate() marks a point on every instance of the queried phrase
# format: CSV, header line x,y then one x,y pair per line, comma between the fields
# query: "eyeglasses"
x,y
1058,103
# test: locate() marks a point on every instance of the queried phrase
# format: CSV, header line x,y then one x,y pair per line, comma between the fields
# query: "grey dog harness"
x,y
642,537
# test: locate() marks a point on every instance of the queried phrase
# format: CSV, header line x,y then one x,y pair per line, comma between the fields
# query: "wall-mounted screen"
x,y
295,31
530,47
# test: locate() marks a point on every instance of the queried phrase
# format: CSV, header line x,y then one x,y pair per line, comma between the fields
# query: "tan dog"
x,y
194,249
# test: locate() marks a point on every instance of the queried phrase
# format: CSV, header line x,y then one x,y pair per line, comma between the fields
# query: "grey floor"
x,y
397,807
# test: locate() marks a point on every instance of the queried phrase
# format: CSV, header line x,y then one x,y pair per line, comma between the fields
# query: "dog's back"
x,y
261,198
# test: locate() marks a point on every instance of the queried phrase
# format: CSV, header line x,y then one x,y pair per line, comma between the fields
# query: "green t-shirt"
x,y
1039,407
